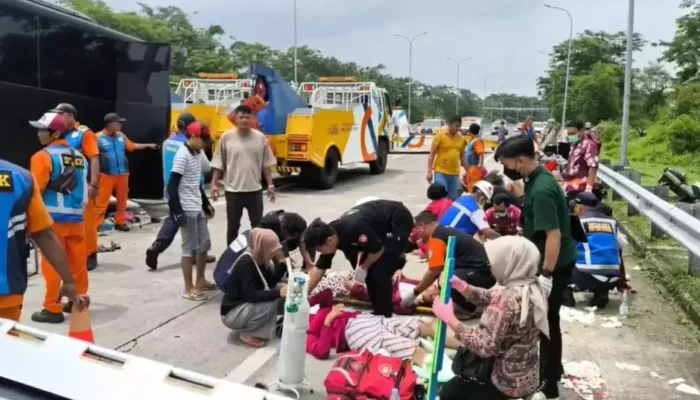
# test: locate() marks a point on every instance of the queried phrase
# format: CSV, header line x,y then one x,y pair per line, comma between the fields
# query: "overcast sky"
x,y
504,37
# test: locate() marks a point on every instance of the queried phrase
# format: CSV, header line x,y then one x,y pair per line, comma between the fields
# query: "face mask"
x,y
512,174
502,214
574,139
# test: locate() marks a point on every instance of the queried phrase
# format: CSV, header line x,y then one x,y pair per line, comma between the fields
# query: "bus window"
x,y
387,102
18,32
377,100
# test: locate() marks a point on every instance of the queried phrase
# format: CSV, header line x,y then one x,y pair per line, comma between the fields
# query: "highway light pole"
x,y
296,82
484,98
568,60
410,66
457,93
628,86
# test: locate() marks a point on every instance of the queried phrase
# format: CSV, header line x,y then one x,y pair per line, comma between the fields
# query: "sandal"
x,y
195,296
206,287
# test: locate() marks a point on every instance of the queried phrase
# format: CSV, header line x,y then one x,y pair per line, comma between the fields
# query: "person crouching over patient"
x,y
252,301
598,264
503,217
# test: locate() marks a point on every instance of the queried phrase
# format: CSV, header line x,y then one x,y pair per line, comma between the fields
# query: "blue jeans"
x,y
450,182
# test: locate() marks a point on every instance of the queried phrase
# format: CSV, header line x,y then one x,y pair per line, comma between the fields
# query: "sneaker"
x,y
152,259
210,259
68,307
46,317
92,262
122,227
568,299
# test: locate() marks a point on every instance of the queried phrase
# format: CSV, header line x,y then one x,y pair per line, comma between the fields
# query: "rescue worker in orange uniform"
x,y
80,137
474,157
61,175
22,213
114,169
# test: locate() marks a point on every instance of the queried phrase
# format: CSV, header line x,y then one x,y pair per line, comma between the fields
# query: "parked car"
x,y
431,126
496,124
539,126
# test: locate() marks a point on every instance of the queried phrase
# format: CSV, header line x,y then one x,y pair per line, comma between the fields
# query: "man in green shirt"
x,y
547,225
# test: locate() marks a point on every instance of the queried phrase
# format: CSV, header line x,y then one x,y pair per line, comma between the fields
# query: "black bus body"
x,y
49,55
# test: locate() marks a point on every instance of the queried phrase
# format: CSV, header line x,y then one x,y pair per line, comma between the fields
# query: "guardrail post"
x,y
636,177
662,193
693,260
624,172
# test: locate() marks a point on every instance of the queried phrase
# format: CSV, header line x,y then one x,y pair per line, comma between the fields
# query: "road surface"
x,y
141,312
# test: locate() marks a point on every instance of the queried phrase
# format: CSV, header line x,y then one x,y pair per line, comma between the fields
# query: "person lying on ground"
x,y
504,217
598,264
334,328
439,204
252,299
466,214
508,333
471,262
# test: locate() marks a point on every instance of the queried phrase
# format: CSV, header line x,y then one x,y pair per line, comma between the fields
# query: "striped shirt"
x,y
398,336
188,164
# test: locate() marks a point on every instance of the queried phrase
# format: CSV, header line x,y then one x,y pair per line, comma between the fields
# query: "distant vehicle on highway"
x,y
496,124
431,126
539,126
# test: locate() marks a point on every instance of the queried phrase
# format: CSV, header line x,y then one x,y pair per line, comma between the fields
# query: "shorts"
x,y
195,234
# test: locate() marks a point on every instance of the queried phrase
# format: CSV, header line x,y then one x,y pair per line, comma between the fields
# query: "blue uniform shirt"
x,y
66,207
16,189
113,159
601,255
465,215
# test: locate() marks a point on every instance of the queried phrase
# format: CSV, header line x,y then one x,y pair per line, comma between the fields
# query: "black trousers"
x,y
235,203
551,367
380,287
166,235
459,388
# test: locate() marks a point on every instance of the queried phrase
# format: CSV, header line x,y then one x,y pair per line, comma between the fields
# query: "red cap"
x,y
50,121
197,129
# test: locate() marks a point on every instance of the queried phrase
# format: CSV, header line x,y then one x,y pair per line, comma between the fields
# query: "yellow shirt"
x,y
449,150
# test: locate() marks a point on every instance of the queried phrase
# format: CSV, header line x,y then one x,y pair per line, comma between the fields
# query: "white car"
x,y
431,126
496,124
539,126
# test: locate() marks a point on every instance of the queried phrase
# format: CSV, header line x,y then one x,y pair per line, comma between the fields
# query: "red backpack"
x,y
366,376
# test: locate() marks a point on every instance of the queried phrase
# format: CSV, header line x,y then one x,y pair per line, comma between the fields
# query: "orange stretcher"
x,y
420,310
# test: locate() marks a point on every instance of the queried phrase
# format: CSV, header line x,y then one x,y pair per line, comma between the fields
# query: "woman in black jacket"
x,y
252,299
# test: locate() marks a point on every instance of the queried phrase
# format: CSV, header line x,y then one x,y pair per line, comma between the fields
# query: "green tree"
x,y
684,49
596,96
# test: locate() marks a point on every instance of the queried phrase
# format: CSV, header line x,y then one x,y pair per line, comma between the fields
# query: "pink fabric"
x,y
583,157
321,338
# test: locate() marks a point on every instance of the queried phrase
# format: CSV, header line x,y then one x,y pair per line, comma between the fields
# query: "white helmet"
x,y
486,188
366,199
588,125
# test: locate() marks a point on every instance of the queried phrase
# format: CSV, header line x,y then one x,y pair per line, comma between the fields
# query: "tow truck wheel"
x,y
322,178
379,165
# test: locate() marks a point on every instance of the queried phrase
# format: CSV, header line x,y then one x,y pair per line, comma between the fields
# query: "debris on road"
x,y
688,389
628,367
587,316
584,379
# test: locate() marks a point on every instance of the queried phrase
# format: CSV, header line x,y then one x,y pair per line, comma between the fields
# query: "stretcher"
x,y
421,310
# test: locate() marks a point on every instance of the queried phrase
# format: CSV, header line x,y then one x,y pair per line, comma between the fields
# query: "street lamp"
x,y
410,66
296,82
568,60
628,86
484,98
459,63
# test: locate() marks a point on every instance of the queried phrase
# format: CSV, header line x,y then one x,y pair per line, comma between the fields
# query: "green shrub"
x,y
684,134
609,131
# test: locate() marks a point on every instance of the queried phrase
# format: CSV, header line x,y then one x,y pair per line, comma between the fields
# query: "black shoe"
x,y
210,259
152,259
68,307
46,317
568,300
92,262
122,227
600,300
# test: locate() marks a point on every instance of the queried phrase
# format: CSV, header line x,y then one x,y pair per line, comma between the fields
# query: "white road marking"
x,y
251,365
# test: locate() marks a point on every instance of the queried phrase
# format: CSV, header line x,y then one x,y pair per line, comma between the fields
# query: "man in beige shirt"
x,y
242,157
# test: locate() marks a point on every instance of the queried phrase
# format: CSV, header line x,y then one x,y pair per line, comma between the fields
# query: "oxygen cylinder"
x,y
296,323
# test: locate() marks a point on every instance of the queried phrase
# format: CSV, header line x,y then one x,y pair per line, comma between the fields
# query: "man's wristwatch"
x,y
546,273
415,292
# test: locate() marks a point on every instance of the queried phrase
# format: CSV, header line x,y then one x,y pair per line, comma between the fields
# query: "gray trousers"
x,y
254,319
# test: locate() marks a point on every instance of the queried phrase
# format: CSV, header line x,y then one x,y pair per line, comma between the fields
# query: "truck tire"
x,y
322,178
378,166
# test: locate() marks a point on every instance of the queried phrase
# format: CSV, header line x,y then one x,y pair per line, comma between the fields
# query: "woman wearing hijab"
x,y
506,339
251,300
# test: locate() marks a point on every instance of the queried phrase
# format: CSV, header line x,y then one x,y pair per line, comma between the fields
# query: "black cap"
x,y
113,117
184,120
587,199
65,107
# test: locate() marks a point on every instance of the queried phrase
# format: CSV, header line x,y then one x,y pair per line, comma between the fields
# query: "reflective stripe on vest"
x,y
601,255
66,208
113,159
16,188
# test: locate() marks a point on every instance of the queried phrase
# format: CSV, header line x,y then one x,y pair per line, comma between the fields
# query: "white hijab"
x,y
514,261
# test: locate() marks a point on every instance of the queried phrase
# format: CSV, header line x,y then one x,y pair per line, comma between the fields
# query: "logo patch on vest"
x,y
72,161
599,227
7,183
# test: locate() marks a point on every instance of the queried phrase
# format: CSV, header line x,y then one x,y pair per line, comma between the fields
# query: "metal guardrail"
x,y
675,222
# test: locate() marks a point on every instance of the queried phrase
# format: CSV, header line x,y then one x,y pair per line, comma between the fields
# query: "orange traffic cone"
x,y
80,327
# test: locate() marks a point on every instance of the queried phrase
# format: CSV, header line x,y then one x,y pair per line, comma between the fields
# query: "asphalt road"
x,y
141,312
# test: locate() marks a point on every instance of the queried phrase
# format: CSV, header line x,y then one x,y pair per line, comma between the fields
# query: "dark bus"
x,y
50,55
